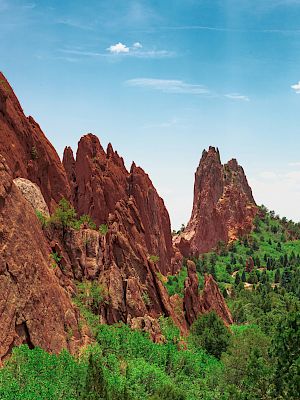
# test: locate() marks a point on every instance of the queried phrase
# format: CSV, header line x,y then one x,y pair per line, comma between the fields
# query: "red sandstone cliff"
x,y
129,261
27,151
34,308
223,207
99,180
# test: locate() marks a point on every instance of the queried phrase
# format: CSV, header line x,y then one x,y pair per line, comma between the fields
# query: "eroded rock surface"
x,y
33,195
27,151
34,308
223,207
130,261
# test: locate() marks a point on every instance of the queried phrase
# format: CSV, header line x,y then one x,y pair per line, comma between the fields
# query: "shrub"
x,y
91,294
56,259
85,219
153,258
42,218
64,215
103,229
210,333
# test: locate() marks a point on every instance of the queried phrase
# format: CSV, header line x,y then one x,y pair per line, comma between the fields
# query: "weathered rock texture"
x,y
27,151
33,195
131,260
210,299
99,181
223,208
34,308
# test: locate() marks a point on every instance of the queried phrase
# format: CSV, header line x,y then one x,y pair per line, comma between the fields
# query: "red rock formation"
x,y
37,308
154,216
191,301
34,308
100,180
223,207
27,151
210,299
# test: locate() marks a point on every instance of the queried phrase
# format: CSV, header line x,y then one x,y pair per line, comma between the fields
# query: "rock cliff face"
x,y
210,299
131,260
27,151
34,308
99,180
223,207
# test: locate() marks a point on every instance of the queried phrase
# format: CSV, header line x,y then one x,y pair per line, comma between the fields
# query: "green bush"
x,y
210,333
91,294
103,229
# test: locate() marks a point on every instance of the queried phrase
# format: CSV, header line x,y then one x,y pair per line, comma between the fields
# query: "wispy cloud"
x,y
225,29
137,50
176,86
296,87
169,86
82,53
72,23
237,96
119,51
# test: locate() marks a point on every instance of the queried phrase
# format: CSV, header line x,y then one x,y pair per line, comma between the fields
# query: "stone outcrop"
x,y
33,195
130,261
27,151
211,299
99,181
34,308
223,207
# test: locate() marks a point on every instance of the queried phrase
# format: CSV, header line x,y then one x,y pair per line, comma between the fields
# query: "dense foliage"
x,y
257,358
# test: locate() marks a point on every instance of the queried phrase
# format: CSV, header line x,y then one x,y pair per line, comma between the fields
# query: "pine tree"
x,y
237,279
243,276
277,276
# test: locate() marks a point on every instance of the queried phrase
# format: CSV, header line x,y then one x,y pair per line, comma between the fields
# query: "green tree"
x,y
237,279
210,333
285,353
247,365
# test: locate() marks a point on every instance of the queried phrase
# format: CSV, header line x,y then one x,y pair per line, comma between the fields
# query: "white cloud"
x,y
136,51
137,45
118,48
294,164
296,87
237,96
169,86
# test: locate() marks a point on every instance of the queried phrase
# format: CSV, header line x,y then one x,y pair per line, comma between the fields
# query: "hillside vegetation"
x,y
258,358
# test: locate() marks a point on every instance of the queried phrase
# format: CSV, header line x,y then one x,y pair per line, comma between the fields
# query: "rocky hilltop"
x,y
223,206
130,258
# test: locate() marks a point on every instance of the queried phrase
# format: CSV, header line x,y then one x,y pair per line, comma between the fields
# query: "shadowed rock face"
x,y
27,151
223,207
211,298
34,308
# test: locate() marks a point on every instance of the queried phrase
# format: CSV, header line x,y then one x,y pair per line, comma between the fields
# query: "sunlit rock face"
x,y
223,207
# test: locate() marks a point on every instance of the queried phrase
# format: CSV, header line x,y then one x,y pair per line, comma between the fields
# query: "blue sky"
x,y
162,80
